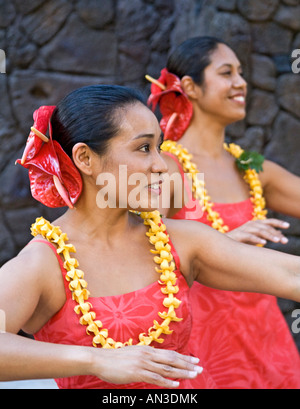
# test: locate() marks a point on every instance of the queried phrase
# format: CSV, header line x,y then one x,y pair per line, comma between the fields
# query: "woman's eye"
x,y
226,73
145,148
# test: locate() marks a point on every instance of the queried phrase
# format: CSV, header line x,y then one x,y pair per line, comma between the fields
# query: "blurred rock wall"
x,y
55,46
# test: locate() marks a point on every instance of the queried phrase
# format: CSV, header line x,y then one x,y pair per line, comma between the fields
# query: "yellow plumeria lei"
x,y
198,186
80,294
251,177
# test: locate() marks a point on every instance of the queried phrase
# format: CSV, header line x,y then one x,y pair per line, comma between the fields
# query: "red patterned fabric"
x,y
243,338
125,316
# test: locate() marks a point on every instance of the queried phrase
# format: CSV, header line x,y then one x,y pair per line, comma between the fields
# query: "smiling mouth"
x,y
241,99
155,187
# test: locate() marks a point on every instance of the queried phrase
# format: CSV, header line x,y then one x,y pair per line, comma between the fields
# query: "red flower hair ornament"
x,y
175,107
54,179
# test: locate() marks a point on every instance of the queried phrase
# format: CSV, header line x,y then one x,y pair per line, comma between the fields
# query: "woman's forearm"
x,y
260,270
23,358
226,264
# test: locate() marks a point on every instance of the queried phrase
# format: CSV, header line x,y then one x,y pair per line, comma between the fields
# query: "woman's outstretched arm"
x,y
217,261
32,291
23,358
23,303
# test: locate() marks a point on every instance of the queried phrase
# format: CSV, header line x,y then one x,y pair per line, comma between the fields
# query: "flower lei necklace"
x,y
80,294
244,162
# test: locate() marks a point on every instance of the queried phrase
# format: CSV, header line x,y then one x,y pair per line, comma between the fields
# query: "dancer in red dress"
x,y
125,315
200,93
117,315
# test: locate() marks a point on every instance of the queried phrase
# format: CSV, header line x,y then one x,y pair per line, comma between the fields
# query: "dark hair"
x,y
88,115
192,57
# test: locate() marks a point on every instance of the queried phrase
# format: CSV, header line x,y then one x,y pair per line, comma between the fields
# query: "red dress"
x,y
125,316
243,338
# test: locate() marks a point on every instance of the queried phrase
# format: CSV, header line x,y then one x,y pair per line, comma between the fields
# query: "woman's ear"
x,y
82,157
189,87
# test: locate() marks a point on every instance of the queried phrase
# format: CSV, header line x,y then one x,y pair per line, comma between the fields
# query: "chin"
x,y
235,118
144,207
144,203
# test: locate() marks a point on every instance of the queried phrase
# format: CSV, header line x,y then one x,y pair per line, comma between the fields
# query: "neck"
x,y
204,136
93,223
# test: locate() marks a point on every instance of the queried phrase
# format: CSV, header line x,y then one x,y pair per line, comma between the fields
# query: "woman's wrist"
x,y
93,361
81,359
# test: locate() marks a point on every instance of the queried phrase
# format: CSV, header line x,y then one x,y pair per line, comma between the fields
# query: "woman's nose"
x,y
159,165
240,82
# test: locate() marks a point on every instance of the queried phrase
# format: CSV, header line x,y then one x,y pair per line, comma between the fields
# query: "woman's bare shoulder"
x,y
29,279
38,251
35,267
189,238
271,172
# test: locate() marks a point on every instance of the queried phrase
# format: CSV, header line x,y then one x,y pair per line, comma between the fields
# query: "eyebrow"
x,y
230,66
148,135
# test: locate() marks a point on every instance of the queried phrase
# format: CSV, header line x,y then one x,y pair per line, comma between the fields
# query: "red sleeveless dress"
x,y
243,338
125,316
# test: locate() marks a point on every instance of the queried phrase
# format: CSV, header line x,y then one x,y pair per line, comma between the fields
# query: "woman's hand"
x,y
143,364
260,231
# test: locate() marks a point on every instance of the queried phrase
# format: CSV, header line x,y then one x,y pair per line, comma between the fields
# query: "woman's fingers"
x,y
154,378
166,377
166,371
145,364
267,230
280,224
250,238
260,231
170,364
173,358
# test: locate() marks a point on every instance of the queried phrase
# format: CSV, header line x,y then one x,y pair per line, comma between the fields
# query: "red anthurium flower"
x,y
175,107
54,179
41,119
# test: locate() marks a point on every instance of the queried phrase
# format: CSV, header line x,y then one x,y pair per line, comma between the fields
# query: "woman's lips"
x,y
239,99
155,187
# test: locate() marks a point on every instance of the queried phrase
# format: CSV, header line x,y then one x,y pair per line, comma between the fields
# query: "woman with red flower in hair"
x,y
105,289
243,339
